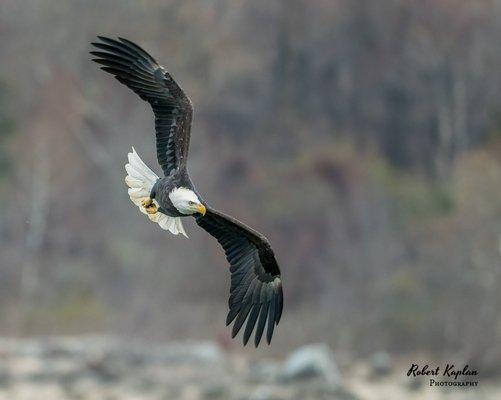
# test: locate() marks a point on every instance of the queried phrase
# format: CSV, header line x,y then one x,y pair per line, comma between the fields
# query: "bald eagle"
x,y
256,286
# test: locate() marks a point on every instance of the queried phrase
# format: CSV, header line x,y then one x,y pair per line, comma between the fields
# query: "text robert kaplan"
x,y
448,371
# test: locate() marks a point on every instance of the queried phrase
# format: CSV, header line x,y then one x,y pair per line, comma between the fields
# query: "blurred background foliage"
x,y
363,138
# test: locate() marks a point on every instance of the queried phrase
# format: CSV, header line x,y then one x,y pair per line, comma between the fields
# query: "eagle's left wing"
x,y
139,71
256,286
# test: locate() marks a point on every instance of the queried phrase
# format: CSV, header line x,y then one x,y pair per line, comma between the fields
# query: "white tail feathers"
x,y
140,180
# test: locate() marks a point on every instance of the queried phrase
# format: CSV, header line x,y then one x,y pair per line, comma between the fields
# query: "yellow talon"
x,y
149,206
146,202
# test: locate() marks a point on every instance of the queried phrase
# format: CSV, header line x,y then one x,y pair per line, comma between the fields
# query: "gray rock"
x,y
380,364
263,371
264,393
189,352
5,377
214,391
312,361
108,367
414,384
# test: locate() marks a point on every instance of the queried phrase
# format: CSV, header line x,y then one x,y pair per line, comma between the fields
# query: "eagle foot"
x,y
149,206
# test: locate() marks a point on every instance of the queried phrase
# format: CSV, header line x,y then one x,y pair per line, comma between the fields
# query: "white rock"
x,y
312,361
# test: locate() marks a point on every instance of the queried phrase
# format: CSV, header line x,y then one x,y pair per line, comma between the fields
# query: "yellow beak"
x,y
201,209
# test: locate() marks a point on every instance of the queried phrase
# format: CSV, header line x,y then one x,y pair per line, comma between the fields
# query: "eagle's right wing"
x,y
139,71
256,286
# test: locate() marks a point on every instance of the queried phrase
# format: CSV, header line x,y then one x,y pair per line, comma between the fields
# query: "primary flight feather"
x,y
256,287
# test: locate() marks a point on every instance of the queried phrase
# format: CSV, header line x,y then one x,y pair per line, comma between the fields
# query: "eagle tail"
x,y
140,180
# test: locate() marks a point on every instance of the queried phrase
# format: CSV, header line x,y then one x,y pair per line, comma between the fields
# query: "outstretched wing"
x,y
256,287
139,71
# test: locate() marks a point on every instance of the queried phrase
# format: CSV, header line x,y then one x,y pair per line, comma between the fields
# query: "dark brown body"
x,y
162,188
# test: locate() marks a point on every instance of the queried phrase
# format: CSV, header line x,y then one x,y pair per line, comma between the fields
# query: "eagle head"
x,y
186,201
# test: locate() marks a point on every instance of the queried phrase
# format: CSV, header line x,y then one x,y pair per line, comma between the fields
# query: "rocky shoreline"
x,y
108,368
97,368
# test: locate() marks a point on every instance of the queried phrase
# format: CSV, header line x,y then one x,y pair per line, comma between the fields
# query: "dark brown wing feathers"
x,y
135,68
256,288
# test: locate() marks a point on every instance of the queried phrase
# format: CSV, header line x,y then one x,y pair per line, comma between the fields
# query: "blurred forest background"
x,y
362,137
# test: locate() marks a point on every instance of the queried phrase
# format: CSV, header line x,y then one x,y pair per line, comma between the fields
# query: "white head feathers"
x,y
185,200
